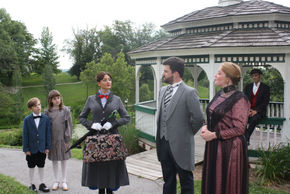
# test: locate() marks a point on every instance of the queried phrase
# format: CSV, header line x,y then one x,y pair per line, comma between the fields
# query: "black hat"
x,y
256,71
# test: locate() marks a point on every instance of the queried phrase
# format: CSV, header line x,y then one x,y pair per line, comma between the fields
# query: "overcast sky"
x,y
61,16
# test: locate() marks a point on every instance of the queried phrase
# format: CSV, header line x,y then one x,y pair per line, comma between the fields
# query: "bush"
x,y
12,137
130,138
275,164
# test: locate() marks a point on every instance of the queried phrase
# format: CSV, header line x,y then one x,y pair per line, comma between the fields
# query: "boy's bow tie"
x,y
35,117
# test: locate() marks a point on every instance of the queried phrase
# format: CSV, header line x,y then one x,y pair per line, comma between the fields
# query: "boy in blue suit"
x,y
36,141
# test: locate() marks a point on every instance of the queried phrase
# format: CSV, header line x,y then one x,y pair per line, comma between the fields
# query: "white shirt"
x,y
37,119
255,87
103,100
175,87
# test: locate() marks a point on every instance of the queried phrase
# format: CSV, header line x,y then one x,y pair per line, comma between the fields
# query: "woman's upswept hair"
x,y
51,95
232,71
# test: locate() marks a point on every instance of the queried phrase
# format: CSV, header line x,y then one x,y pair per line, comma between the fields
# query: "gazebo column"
x,y
210,72
285,73
286,77
195,71
137,83
158,68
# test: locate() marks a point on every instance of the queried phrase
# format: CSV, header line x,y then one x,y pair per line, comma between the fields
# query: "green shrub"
x,y
12,137
275,164
130,138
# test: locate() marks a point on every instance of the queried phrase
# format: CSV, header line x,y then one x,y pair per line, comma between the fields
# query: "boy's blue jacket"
x,y
36,139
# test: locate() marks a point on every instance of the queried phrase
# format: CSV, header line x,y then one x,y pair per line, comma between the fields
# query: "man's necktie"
x,y
104,96
168,95
35,117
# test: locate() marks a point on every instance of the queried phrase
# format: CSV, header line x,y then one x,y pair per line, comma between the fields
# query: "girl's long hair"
x,y
51,95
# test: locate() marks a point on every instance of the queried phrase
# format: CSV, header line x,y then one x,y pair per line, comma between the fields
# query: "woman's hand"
x,y
206,134
107,126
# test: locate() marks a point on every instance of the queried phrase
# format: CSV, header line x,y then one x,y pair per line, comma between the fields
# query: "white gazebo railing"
x,y
146,120
268,132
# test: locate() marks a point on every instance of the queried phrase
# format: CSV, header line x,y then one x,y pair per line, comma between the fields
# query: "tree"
x,y
17,108
47,53
16,47
123,78
90,45
83,49
88,76
48,80
123,37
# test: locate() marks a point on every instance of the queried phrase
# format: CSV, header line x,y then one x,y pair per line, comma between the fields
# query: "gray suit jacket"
x,y
184,119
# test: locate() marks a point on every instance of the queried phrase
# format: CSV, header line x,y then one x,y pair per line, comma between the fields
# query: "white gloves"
x,y
107,126
96,126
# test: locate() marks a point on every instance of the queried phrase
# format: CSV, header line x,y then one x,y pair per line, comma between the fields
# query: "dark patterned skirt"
x,y
111,174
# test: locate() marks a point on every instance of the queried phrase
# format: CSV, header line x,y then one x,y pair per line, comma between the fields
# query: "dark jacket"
x,y
36,139
263,97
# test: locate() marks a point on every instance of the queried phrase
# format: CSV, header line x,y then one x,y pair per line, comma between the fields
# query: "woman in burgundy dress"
x,y
225,167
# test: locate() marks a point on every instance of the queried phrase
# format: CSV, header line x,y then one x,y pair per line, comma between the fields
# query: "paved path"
x,y
13,164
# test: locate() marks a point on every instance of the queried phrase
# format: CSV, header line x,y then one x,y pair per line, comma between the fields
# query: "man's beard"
x,y
168,80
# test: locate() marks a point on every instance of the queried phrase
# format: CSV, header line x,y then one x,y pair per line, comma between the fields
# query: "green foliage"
x,y
275,164
83,49
12,137
145,93
77,153
90,45
47,53
11,186
16,46
17,107
48,80
5,101
130,138
123,78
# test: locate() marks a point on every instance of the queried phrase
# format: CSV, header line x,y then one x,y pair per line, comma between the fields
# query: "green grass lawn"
x,y
71,93
11,186
35,79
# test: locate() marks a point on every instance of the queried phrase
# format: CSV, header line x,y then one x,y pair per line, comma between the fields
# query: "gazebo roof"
x,y
230,38
254,7
239,25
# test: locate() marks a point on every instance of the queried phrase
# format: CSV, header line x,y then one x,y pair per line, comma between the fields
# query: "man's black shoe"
x,y
43,187
32,187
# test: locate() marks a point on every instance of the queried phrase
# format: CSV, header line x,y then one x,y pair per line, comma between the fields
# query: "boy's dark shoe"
x,y
109,191
101,191
43,188
32,187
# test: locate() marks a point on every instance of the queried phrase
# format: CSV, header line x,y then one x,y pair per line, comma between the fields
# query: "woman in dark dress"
x,y
110,175
225,167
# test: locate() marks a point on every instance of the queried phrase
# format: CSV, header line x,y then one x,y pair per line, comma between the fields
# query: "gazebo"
x,y
250,33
